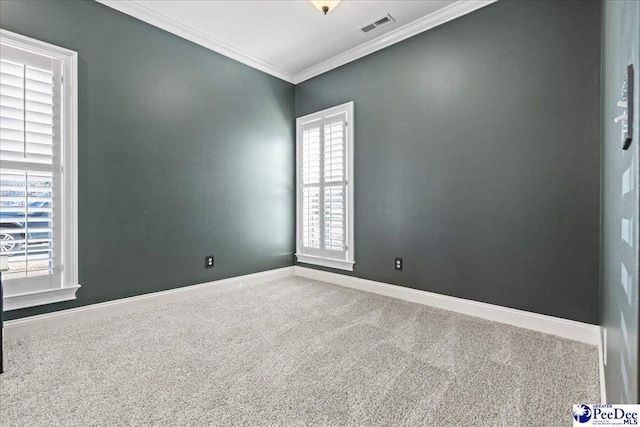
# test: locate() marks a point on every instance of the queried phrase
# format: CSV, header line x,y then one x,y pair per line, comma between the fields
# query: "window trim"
x,y
13,298
347,264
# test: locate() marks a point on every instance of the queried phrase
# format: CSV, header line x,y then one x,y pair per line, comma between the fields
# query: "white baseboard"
x,y
564,328
58,319
582,332
601,349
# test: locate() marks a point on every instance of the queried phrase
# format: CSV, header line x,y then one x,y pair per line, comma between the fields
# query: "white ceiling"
x,y
291,38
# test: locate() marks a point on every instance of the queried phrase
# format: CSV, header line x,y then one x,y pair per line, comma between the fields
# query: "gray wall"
x,y
619,305
182,153
477,157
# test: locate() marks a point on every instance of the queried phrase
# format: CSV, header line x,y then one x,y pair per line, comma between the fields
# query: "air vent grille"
x,y
377,24
368,28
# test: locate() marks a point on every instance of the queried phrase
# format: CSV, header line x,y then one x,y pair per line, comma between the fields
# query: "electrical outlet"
x,y
208,261
399,264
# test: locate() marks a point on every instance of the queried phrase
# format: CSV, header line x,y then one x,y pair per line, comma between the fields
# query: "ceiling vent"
x,y
387,19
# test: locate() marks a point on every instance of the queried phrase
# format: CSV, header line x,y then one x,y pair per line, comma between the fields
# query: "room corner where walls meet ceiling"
x,y
293,40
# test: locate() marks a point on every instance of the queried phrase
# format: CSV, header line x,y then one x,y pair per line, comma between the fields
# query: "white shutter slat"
x,y
12,134
40,147
11,102
11,124
39,97
39,107
37,89
42,104
38,75
35,159
12,146
12,112
39,128
11,91
38,138
11,82
11,68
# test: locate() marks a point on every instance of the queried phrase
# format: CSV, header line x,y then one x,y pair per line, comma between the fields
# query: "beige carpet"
x,y
295,352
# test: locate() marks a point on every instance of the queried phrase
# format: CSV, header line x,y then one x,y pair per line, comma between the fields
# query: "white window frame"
x,y
348,263
14,297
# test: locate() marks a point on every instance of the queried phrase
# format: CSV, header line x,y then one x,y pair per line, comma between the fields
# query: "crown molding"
x,y
439,17
163,22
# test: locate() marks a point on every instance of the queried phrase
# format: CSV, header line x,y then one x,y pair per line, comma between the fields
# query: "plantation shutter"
x,y
30,167
324,187
312,187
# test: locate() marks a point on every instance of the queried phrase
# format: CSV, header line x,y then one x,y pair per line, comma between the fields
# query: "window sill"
x,y
326,262
32,299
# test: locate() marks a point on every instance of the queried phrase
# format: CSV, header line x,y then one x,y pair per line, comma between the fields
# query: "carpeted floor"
x,y
295,352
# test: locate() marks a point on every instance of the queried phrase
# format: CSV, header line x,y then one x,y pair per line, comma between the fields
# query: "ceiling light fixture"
x,y
325,5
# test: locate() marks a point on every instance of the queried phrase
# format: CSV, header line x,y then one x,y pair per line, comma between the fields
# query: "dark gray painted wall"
x,y
619,306
477,157
182,153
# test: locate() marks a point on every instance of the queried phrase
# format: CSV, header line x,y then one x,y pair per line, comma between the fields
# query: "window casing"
x,y
38,171
324,207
